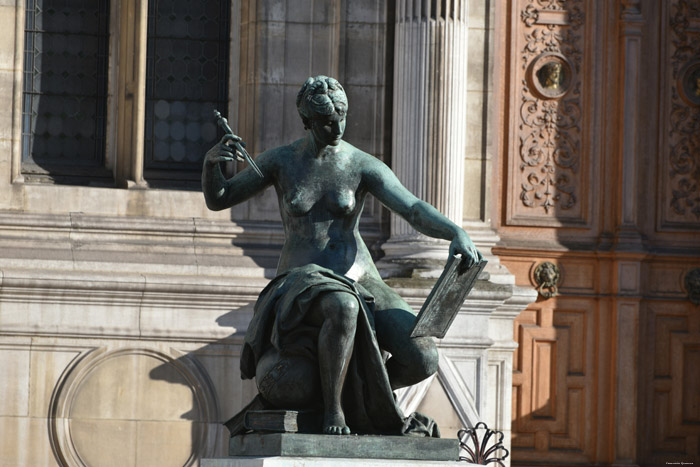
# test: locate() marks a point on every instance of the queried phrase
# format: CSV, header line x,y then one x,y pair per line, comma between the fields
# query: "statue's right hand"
x,y
223,151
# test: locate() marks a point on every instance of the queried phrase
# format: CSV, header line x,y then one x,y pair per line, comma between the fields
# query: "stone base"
x,y
324,462
344,447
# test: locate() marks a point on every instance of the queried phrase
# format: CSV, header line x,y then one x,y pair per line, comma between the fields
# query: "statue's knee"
x,y
427,358
340,308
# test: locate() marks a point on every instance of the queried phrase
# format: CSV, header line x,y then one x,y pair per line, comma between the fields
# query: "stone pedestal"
x,y
278,449
281,461
353,446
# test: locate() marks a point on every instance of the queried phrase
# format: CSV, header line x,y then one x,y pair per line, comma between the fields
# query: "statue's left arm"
x,y
381,182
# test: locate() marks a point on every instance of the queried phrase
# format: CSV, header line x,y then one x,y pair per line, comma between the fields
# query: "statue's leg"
x,y
413,359
288,381
336,314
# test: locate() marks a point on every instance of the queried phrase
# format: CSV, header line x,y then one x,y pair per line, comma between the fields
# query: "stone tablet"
x,y
446,298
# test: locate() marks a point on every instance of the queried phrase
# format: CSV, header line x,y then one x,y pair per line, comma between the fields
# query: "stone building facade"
x,y
559,131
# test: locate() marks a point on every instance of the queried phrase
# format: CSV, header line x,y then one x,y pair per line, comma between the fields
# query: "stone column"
x,y
429,125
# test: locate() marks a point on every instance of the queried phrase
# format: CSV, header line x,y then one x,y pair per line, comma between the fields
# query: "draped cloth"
x,y
278,320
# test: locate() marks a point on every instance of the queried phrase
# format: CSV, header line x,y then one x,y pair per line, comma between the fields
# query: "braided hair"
x,y
320,95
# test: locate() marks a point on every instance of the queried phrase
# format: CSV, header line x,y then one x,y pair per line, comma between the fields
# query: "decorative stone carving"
x,y
631,7
689,83
692,285
549,129
547,277
550,76
684,122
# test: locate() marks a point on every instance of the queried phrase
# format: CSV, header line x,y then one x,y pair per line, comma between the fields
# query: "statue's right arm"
x,y
221,193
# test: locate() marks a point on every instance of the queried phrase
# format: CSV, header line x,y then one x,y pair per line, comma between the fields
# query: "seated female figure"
x,y
328,296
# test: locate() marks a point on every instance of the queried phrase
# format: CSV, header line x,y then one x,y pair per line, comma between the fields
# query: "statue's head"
x,y
697,84
550,75
322,105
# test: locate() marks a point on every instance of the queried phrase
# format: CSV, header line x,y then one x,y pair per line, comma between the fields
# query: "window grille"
x,y
186,79
65,87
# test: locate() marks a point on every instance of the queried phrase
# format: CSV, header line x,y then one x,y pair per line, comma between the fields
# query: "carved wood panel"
x,y
548,162
671,383
554,382
680,139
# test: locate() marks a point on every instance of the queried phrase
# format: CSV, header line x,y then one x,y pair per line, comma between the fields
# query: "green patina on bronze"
x,y
318,329
348,447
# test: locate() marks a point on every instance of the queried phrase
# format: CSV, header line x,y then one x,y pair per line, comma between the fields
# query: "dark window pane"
x,y
186,79
65,87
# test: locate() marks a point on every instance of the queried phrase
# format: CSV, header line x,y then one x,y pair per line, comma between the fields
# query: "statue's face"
x,y
328,130
697,85
553,74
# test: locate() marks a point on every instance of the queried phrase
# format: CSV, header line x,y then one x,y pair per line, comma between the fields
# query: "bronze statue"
x,y
318,327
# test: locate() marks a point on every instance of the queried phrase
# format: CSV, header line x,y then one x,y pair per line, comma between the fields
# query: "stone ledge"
x,y
352,447
324,462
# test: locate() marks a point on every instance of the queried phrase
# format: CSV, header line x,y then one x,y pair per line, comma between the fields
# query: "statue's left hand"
x,y
463,245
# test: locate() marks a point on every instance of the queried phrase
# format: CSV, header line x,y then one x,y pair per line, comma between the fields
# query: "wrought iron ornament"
x,y
547,276
481,452
187,62
64,102
692,285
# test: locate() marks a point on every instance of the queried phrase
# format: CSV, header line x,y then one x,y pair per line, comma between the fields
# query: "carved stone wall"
x,y
558,403
670,324
553,374
548,131
669,378
680,141
600,178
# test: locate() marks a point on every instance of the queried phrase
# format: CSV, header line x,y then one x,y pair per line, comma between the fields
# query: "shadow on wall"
x,y
127,405
207,390
548,168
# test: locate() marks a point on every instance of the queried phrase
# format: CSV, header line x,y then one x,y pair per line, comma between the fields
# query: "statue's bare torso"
x,y
321,200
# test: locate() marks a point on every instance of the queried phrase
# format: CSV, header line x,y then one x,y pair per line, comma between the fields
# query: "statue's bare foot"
x,y
334,424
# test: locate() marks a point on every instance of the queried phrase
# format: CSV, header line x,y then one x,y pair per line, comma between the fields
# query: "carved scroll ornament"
x,y
550,110
684,128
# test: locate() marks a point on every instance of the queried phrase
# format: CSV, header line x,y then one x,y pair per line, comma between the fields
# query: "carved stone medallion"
x,y
550,75
689,82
